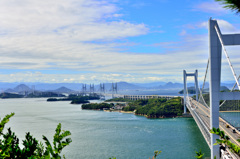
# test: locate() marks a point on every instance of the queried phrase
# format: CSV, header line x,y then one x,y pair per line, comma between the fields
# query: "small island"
x,y
159,108
75,99
150,108
79,101
10,95
30,95
97,106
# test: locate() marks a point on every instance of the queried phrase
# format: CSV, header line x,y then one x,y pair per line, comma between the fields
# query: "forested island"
x,y
30,95
159,108
97,106
75,99
10,95
151,108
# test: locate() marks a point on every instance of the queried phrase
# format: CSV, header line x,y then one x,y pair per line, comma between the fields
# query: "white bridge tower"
x,y
185,75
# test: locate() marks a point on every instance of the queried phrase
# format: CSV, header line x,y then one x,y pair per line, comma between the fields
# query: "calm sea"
x,y
232,117
100,135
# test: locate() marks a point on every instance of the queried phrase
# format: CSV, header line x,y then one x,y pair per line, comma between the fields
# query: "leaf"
x,y
4,121
49,146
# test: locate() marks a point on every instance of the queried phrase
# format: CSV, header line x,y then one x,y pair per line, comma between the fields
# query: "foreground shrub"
x,y
9,144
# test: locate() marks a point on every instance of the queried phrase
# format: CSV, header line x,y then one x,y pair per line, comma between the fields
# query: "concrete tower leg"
x,y
196,84
215,55
185,91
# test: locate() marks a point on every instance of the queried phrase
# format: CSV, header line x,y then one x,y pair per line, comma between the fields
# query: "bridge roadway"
x,y
204,113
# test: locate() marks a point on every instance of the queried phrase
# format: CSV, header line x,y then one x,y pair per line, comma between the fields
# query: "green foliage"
x,y
9,144
224,139
4,121
52,99
199,154
58,144
129,108
96,106
79,101
156,153
160,107
118,100
44,94
233,5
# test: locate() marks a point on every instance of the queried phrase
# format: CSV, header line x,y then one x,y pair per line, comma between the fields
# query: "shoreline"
x,y
130,112
120,111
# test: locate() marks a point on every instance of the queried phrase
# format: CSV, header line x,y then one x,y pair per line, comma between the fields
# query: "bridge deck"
x,y
200,111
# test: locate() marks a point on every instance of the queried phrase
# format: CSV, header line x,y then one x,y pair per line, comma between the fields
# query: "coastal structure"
x,y
137,97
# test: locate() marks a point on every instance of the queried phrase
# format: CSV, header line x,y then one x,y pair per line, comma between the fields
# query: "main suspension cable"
x,y
228,59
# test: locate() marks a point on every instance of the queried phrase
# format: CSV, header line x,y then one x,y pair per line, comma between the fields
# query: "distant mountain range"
x,y
76,87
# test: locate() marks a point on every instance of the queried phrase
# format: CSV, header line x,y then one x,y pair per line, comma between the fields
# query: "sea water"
x,y
100,135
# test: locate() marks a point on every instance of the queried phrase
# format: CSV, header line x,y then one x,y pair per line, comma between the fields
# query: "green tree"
x,y
224,139
58,144
199,154
32,149
233,5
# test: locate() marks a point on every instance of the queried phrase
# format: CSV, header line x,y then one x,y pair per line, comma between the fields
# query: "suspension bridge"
x,y
207,104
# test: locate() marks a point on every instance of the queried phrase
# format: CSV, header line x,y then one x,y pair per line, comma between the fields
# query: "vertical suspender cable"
x,y
205,75
201,91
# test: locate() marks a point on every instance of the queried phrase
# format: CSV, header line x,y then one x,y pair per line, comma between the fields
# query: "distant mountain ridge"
x,y
62,90
73,87
19,88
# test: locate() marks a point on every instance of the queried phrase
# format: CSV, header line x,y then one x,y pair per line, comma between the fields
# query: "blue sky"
x,y
93,41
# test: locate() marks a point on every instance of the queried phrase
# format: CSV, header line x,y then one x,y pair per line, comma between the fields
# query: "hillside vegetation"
x,y
159,108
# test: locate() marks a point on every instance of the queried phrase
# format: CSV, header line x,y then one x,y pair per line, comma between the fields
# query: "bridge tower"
x,y
33,89
102,88
114,88
185,75
84,89
217,41
92,89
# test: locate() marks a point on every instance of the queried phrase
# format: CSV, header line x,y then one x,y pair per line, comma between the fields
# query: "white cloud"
x,y
86,35
210,7
225,26
73,34
183,32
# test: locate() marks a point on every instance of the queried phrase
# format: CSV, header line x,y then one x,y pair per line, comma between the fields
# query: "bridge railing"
x,y
201,124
